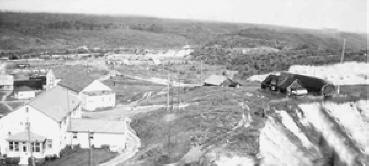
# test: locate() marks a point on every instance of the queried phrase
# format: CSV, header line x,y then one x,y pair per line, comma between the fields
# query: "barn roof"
x,y
97,126
55,103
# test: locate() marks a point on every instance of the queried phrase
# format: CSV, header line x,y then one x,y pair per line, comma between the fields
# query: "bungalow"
x,y
93,94
43,122
24,92
97,95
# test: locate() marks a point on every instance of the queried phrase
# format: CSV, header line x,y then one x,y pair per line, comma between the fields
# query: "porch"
x,y
22,144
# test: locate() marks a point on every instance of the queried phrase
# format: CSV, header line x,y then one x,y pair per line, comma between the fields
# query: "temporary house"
x,y
97,95
24,92
43,121
220,80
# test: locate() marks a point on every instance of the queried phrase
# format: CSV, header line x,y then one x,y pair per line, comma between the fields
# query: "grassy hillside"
x,y
59,31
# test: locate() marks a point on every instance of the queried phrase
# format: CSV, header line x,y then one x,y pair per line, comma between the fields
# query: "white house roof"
x,y
55,103
96,86
97,126
23,136
215,80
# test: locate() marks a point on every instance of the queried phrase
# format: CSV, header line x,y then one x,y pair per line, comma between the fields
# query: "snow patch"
x,y
291,125
235,161
349,118
335,139
348,73
276,148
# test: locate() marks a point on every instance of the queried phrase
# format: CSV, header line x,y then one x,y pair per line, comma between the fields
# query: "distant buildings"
x,y
151,57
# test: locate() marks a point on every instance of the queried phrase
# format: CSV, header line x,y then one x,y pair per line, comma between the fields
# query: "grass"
x,y
80,157
3,109
128,90
209,123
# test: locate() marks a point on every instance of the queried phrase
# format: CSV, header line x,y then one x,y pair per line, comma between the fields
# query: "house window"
x,y
11,146
74,134
16,146
49,143
36,147
24,147
91,135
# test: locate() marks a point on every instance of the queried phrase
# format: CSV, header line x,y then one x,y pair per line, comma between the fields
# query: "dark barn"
x,y
312,84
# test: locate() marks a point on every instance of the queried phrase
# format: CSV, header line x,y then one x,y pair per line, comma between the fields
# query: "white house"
x,y
24,92
101,132
48,116
97,95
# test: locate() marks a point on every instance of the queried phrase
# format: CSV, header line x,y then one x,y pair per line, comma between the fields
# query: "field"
x,y
80,157
209,120
129,90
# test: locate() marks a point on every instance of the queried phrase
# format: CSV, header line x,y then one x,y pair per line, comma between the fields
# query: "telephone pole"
x,y
201,72
30,148
168,94
341,61
89,149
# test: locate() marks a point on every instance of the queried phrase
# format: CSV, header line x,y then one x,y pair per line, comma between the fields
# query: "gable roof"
x,y
55,103
96,85
97,126
76,86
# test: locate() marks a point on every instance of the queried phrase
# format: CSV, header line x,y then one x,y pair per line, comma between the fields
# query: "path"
x,y
4,102
133,143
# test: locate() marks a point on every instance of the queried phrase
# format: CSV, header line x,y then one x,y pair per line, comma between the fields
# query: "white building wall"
x,y
25,94
40,124
90,103
99,139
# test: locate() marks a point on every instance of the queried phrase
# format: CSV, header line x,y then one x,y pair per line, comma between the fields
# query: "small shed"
x,y
220,80
24,92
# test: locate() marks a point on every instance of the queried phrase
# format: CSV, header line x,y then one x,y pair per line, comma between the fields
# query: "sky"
x,y
345,15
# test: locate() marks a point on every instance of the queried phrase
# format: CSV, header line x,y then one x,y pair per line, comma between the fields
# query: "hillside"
x,y
60,31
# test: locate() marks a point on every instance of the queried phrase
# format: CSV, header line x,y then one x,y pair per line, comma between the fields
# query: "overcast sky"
x,y
347,15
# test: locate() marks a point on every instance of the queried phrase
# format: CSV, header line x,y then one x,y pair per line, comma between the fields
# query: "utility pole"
x,y
168,94
90,149
343,51
341,61
179,91
30,148
201,72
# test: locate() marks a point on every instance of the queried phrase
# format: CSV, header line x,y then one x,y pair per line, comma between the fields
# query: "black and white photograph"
x,y
184,83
